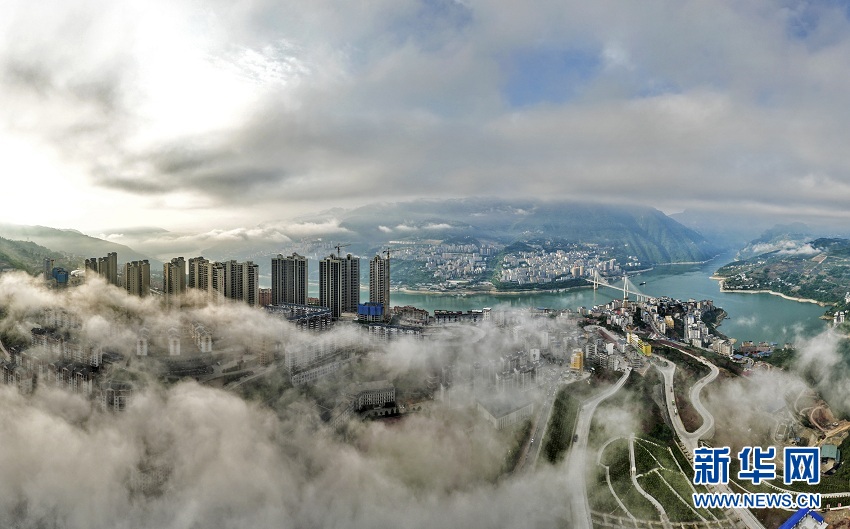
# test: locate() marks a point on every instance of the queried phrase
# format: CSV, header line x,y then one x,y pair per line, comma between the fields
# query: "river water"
x,y
751,316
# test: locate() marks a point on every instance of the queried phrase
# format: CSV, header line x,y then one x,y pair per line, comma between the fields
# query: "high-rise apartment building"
x,y
137,278
239,281
351,286
230,279
250,283
198,276
330,285
289,279
379,283
214,272
48,269
106,266
174,277
339,284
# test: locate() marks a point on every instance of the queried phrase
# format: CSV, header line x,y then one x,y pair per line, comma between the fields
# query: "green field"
x,y
660,475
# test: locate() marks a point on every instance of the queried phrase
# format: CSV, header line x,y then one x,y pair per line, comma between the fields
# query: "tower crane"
x,y
340,246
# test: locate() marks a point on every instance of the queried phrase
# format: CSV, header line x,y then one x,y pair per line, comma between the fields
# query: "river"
x,y
751,316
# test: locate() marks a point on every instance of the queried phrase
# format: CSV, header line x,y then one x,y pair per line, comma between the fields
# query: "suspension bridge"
x,y
627,288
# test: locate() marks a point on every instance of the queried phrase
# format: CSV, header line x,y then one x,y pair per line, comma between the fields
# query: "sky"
x,y
201,115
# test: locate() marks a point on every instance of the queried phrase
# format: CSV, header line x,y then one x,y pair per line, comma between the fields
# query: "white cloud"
x,y
176,112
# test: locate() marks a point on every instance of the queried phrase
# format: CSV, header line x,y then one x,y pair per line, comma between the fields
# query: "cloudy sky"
x,y
200,114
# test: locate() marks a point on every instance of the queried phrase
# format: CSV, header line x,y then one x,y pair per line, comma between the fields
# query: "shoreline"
x,y
690,262
771,292
494,292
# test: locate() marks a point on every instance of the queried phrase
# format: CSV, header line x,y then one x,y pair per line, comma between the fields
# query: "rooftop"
x,y
498,407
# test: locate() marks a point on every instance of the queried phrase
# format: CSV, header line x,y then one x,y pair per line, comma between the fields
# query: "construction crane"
x,y
387,251
340,246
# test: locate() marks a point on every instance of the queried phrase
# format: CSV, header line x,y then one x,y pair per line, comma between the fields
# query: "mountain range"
x,y
71,242
645,233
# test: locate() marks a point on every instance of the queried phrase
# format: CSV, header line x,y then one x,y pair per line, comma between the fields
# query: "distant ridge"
x,y
650,234
28,256
71,242
644,232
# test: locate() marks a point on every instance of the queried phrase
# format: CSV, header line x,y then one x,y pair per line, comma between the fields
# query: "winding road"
x,y
579,505
690,440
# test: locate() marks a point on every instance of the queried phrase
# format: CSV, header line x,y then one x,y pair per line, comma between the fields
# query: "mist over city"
x,y
424,263
187,455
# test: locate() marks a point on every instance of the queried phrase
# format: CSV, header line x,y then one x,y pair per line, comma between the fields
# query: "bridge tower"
x,y
625,290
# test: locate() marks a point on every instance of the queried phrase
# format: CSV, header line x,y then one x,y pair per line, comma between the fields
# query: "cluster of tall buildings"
x,y
225,280
339,282
137,274
106,266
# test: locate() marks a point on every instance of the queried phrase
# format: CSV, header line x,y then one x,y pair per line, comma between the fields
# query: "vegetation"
x,y
642,232
411,273
713,318
820,271
688,372
521,436
559,435
571,282
28,256
782,358
616,456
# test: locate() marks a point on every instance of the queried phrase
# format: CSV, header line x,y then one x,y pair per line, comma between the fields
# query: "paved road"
x,y
668,370
706,430
662,513
577,456
528,459
265,371
690,440
532,449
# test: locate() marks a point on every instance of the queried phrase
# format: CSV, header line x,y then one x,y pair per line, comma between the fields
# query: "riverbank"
x,y
689,262
496,292
715,320
771,292
491,292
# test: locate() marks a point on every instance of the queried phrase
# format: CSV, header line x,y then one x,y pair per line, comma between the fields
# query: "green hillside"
x,y
29,256
818,270
645,233
72,242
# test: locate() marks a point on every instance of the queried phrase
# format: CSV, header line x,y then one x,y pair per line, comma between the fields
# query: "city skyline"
x,y
620,253
181,117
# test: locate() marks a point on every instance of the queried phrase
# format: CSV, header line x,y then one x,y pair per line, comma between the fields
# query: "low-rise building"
x,y
371,394
502,412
